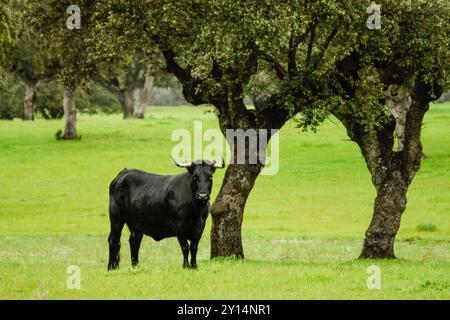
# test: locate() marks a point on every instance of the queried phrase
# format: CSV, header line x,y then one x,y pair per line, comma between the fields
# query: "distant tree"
x,y
146,92
26,59
167,90
90,99
127,80
55,22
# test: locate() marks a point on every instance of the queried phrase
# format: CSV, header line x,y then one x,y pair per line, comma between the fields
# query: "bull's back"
x,y
132,188
142,200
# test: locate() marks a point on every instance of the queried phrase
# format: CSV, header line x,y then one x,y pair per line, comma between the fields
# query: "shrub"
x,y
428,227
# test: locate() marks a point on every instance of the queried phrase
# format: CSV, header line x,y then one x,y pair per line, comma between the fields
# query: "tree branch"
x,y
422,95
325,46
192,89
311,42
279,70
294,42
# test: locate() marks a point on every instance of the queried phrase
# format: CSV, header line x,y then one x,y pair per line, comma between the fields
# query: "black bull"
x,y
160,207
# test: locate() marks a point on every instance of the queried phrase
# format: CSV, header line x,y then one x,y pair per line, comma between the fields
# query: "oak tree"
x,y
64,34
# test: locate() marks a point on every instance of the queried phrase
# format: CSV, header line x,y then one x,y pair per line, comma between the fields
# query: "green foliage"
x,y
49,100
100,100
25,57
226,43
68,49
11,98
413,44
5,36
229,43
5,26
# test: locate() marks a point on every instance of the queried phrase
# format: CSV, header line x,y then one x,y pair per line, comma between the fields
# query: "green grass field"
x,y
303,228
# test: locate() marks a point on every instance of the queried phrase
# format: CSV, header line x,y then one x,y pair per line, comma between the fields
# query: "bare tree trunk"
x,y
391,182
390,204
29,104
385,166
228,210
70,113
392,172
146,94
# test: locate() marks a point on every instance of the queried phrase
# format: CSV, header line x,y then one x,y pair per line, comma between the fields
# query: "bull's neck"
x,y
200,204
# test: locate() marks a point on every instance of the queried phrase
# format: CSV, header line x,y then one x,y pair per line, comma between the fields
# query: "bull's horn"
x,y
216,165
183,165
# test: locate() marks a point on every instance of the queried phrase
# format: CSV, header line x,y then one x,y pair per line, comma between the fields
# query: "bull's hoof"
x,y
112,267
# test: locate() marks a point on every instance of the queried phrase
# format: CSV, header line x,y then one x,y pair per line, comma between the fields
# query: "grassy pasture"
x,y
303,227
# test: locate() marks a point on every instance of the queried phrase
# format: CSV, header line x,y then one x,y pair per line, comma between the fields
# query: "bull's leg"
x,y
194,249
114,245
184,248
135,243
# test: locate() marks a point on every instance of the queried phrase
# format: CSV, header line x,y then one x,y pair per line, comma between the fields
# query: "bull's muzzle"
x,y
202,196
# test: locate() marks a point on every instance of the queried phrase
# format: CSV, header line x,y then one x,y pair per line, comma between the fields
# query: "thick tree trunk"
x,y
393,172
70,113
228,210
146,94
29,104
390,204
248,142
126,100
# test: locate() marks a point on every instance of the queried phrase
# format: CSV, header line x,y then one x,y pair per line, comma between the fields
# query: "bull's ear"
x,y
191,169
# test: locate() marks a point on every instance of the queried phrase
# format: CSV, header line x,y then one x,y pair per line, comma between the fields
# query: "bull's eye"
x,y
210,177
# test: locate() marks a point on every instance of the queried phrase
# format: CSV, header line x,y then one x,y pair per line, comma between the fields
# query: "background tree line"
x,y
33,86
